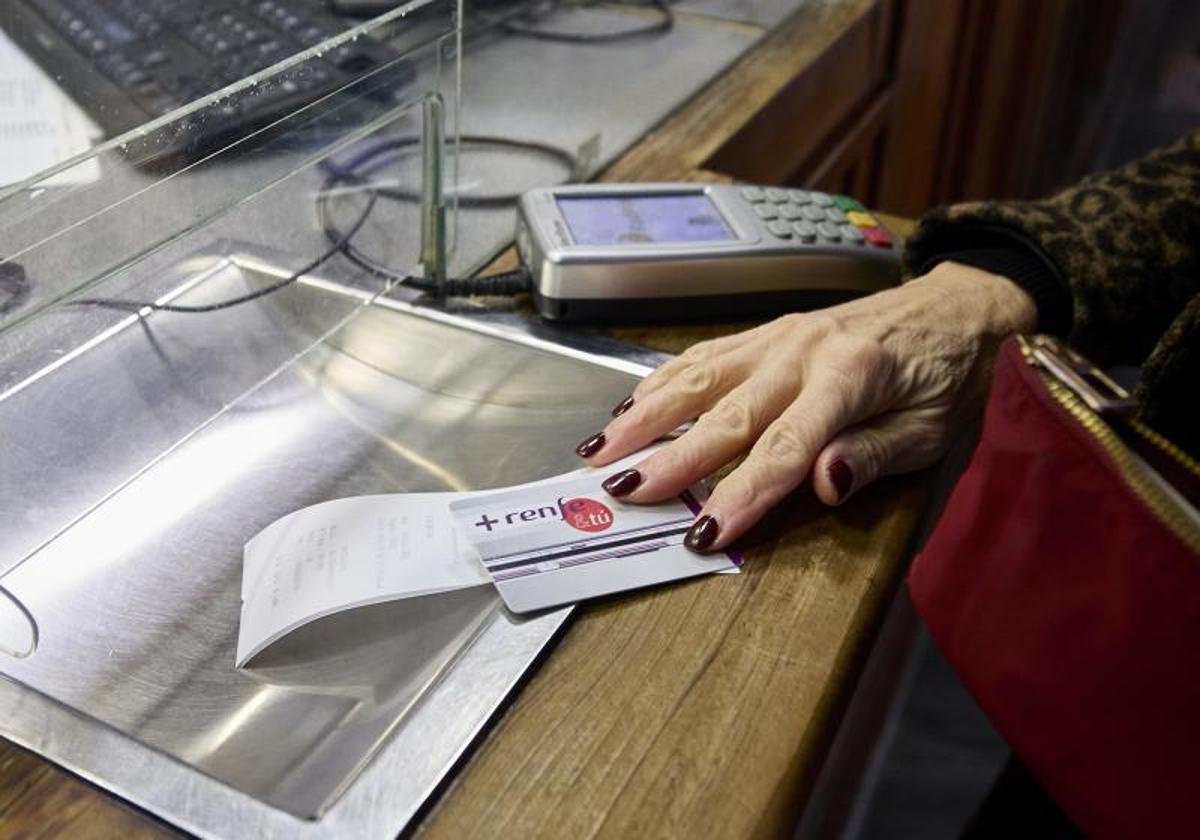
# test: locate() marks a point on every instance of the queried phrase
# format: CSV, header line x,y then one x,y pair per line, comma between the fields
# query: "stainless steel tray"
x,y
346,727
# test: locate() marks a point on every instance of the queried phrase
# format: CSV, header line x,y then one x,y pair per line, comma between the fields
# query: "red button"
x,y
878,237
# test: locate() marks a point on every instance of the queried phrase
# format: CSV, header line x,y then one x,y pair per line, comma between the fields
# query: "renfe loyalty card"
x,y
560,541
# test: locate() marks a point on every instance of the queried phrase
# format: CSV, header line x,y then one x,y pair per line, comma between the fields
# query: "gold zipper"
x,y
1165,507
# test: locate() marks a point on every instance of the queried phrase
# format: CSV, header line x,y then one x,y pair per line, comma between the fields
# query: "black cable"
x,y
138,305
356,170
365,163
664,24
504,284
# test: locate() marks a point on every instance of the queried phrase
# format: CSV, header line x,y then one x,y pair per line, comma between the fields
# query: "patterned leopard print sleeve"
x,y
1126,244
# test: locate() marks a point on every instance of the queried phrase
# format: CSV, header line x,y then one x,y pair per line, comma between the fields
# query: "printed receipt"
x,y
349,553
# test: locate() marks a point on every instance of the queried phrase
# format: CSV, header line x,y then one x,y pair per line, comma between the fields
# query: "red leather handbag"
x,y
1062,583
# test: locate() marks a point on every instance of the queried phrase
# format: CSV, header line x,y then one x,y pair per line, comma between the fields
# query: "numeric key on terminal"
x,y
780,228
805,231
830,231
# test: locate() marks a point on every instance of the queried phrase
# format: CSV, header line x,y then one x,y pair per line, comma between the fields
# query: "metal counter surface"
x,y
136,596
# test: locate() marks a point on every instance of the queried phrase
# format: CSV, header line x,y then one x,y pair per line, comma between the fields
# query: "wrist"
x,y
1022,263
1005,307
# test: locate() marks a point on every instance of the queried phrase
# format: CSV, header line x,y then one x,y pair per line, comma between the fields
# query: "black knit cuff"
x,y
1027,270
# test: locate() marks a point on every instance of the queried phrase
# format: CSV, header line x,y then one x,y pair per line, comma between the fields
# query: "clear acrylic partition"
x,y
141,446
185,171
77,263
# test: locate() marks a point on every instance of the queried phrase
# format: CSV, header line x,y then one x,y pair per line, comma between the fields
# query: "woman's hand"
x,y
847,394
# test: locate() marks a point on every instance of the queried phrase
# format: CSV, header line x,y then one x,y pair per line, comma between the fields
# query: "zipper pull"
x,y
1074,372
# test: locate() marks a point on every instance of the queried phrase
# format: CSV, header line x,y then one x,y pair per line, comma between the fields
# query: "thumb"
x,y
890,443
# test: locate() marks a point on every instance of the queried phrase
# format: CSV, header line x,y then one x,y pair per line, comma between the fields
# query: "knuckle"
x,y
785,440
664,375
734,418
819,325
666,370
698,380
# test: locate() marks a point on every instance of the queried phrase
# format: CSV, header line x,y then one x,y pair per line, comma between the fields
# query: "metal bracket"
x,y
433,198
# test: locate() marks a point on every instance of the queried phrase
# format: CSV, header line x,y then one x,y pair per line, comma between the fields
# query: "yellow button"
x,y
863,220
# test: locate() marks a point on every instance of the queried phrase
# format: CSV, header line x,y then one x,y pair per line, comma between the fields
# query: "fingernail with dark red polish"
x,y
702,534
590,446
622,483
623,406
842,478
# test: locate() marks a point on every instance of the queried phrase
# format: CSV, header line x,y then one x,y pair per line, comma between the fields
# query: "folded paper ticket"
x,y
349,553
549,542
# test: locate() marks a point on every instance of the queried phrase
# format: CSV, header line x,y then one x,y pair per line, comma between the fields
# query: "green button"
x,y
847,203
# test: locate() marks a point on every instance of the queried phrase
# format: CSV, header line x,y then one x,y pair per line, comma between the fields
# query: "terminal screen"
x,y
634,219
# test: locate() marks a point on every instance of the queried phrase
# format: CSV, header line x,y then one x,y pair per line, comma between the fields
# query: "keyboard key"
x,y
813,213
163,53
777,195
847,203
835,215
799,196
830,231
753,194
780,228
791,211
133,78
805,230
155,58
878,237
766,211
863,220
852,234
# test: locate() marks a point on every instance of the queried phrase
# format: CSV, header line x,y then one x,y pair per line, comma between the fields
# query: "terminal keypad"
x,y
809,217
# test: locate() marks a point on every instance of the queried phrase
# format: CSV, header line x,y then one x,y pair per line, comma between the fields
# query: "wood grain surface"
x,y
700,709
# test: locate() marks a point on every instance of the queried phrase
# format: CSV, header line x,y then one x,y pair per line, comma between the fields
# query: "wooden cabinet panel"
x,y
797,129
923,102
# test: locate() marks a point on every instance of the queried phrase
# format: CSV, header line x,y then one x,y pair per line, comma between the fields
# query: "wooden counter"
x,y
700,709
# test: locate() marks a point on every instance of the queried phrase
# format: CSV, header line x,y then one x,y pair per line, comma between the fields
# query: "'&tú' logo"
x,y
586,514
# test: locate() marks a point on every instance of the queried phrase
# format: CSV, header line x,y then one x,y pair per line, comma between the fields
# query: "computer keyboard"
x,y
128,61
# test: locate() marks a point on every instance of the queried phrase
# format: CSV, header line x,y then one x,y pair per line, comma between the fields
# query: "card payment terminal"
x,y
645,252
